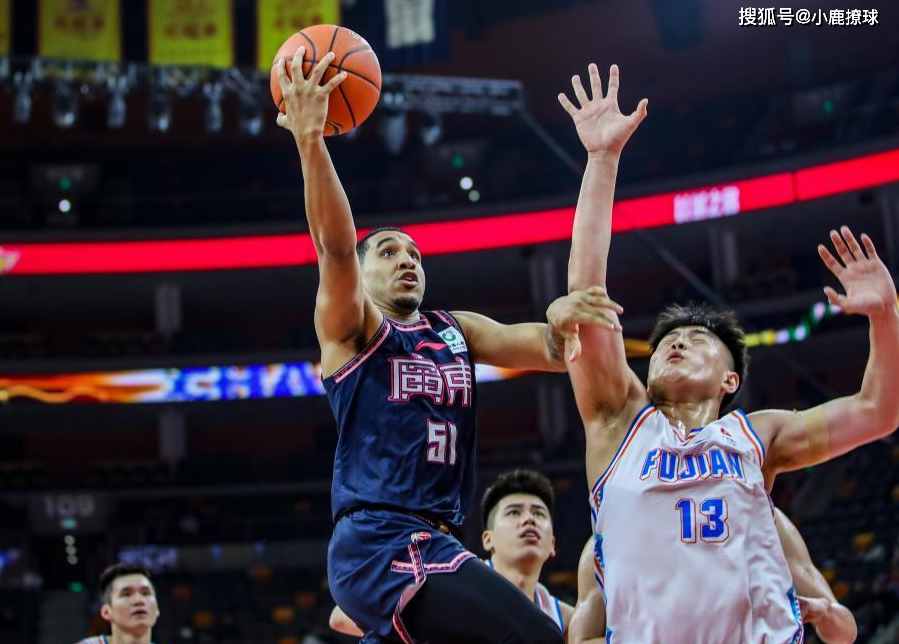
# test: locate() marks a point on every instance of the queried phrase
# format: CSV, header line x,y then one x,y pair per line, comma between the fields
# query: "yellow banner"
x,y
276,20
5,27
80,29
191,32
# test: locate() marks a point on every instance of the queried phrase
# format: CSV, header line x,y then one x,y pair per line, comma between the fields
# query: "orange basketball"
x,y
355,98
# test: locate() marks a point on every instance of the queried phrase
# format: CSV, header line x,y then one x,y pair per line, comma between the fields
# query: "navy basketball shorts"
x,y
378,560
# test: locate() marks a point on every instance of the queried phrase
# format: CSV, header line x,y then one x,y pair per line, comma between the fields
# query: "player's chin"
x,y
408,302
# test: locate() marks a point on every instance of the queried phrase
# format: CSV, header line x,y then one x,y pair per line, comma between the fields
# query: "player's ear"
x,y
106,612
487,540
731,382
552,550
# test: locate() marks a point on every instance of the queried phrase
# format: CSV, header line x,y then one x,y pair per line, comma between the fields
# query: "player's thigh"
x,y
476,605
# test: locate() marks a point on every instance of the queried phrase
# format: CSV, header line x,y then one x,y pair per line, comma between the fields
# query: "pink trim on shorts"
x,y
458,560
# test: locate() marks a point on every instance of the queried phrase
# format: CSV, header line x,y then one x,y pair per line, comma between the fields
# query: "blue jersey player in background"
x,y
401,384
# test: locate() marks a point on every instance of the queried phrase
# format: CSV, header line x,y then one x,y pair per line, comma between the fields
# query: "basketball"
x,y
355,98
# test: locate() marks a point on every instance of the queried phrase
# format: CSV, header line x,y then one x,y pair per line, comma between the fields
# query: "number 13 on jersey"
x,y
713,530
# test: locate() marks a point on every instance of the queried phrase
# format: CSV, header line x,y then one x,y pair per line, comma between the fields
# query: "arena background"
x,y
161,401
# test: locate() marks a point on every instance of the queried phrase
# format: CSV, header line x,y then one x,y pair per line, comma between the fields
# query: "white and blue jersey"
x,y
686,548
545,601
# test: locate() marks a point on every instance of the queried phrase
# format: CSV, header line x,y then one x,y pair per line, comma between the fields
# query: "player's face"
x,y
522,530
132,604
691,364
392,272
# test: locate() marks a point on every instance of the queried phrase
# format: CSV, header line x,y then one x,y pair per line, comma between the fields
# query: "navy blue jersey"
x,y
406,420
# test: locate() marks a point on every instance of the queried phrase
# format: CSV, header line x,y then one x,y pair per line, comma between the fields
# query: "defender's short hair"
x,y
115,571
516,482
723,324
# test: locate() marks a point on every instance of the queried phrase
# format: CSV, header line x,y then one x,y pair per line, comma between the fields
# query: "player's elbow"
x,y
341,623
880,416
842,629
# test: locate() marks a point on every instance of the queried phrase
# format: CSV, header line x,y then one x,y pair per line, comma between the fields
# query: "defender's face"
x,y
522,529
392,272
691,363
132,604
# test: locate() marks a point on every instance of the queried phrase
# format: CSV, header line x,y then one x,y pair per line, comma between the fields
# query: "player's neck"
x,y
523,575
399,315
120,636
685,416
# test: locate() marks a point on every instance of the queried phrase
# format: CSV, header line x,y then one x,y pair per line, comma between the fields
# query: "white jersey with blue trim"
x,y
686,546
545,601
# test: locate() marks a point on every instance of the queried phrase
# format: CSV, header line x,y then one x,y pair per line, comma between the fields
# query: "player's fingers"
x,y
595,81
592,313
334,82
869,246
840,246
282,120
315,76
281,72
604,301
614,81
573,343
296,64
579,91
640,113
609,303
567,105
608,322
835,298
829,260
852,243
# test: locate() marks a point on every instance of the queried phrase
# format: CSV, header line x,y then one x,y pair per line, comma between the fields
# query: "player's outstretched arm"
x,y
588,624
532,345
834,428
342,311
341,622
602,378
833,621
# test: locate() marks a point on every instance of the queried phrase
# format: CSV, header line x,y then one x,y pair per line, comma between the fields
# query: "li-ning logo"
x,y
454,340
8,260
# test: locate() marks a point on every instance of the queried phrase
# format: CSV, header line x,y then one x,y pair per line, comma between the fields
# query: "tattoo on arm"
x,y
555,343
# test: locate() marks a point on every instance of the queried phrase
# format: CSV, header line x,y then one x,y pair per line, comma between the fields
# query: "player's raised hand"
x,y
592,306
867,281
600,124
306,99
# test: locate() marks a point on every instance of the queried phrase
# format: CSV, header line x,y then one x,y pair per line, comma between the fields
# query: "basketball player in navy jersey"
x,y
833,622
518,538
128,604
401,385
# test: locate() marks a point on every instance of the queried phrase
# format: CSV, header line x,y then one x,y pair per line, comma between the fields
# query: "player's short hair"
x,y
723,324
516,482
362,244
115,571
